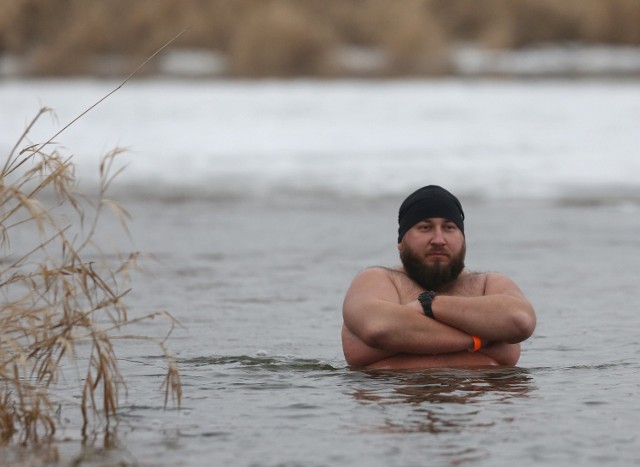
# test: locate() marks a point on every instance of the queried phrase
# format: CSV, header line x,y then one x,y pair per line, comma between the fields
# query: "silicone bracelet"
x,y
477,344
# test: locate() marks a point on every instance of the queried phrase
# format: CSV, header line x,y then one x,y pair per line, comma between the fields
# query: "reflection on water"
x,y
441,400
98,449
448,386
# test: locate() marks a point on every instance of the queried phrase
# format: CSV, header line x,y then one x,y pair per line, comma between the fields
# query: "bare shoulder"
x,y
375,281
371,284
375,273
497,283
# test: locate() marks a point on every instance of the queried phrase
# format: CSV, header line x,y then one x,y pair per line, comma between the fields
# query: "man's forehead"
x,y
437,220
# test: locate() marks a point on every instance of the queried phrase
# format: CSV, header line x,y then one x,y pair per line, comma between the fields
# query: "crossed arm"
x,y
381,332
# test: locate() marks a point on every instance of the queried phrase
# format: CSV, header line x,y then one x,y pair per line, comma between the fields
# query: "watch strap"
x,y
426,300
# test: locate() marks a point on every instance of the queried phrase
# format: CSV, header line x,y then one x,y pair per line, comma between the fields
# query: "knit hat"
x,y
426,203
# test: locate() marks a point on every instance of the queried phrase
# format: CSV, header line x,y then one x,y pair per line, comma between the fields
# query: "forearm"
x,y
359,355
503,353
405,329
499,317
492,355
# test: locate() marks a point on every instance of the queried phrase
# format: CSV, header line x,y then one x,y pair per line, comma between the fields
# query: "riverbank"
x,y
315,38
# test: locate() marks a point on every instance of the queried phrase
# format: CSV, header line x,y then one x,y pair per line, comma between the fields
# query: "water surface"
x,y
272,197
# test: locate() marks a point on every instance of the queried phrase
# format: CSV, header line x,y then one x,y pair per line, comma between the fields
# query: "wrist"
x,y
426,300
476,345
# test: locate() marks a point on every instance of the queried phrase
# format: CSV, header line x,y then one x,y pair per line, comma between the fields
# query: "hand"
x,y
416,305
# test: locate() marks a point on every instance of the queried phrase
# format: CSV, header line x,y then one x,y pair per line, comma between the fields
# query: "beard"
x,y
435,276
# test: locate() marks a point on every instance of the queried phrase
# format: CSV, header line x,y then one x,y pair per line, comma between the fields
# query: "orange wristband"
x,y
477,344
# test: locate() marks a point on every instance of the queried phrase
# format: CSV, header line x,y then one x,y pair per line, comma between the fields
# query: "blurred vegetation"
x,y
299,37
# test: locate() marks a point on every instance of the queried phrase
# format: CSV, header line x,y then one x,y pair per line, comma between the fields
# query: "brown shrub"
x,y
287,37
508,24
614,22
280,39
412,38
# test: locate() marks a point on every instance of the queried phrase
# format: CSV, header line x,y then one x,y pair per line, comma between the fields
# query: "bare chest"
x,y
468,284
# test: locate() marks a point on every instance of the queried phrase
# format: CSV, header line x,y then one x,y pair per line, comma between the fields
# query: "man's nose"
x,y
438,238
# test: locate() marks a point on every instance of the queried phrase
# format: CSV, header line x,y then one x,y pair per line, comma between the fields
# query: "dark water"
x,y
258,284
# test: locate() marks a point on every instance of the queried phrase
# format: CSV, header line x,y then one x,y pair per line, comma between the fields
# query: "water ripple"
x,y
284,364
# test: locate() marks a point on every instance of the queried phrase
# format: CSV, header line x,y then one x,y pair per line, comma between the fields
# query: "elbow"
x,y
355,361
523,324
360,360
375,336
378,335
509,354
357,353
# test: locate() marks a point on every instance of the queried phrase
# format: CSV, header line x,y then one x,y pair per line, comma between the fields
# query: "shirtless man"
x,y
432,312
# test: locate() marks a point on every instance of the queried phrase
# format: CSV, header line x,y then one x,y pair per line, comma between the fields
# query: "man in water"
x,y
431,311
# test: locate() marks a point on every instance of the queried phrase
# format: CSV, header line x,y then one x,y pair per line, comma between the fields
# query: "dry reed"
x,y
62,294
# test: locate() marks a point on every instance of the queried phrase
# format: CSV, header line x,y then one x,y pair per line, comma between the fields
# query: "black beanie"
x,y
426,203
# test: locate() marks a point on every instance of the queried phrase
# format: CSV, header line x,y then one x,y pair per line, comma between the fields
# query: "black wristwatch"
x,y
426,299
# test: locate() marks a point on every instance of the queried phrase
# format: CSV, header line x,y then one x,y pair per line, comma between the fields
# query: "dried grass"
x,y
62,294
293,37
281,39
